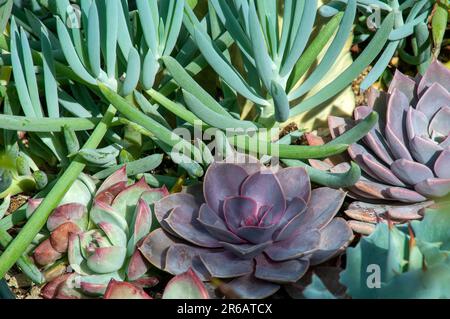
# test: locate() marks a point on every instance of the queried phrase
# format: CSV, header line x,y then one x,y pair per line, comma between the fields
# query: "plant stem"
x,y
27,124
51,201
24,263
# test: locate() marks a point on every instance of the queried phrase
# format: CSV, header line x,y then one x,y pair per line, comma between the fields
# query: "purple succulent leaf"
x,y
362,228
374,139
372,213
320,165
165,206
280,272
404,84
124,290
240,210
372,166
33,204
249,287
405,195
424,150
115,234
226,265
222,181
75,213
257,234
180,258
369,189
103,213
295,207
141,226
186,286
154,247
137,267
433,99
216,226
185,224
292,219
436,73
265,189
365,188
302,244
339,125
416,123
246,251
361,112
434,187
441,122
442,165
409,212
397,110
295,183
341,168
59,238
126,201
104,260
411,172
323,206
45,254
334,239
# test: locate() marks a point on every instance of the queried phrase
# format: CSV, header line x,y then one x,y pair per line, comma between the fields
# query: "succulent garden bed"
x,y
196,149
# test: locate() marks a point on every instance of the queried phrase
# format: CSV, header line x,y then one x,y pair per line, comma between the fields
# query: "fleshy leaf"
x,y
186,286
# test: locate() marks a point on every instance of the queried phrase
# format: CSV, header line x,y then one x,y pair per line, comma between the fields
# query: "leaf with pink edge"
x,y
59,238
104,260
137,266
116,236
45,254
103,213
75,213
124,290
186,286
126,201
141,225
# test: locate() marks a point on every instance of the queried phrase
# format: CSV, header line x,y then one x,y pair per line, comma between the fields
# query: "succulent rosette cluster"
x,y
99,238
248,225
405,159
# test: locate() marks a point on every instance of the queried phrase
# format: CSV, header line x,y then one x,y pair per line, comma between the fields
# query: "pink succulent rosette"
x,y
100,237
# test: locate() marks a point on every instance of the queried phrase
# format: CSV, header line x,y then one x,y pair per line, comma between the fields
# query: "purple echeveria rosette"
x,y
405,159
257,228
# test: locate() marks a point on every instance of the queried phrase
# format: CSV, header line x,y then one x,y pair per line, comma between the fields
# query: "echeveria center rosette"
x,y
255,227
405,159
